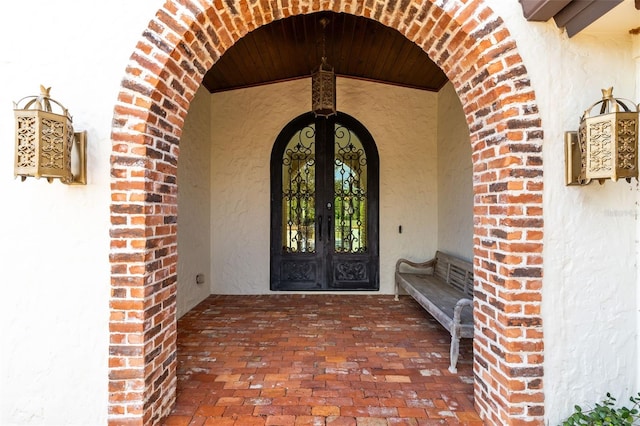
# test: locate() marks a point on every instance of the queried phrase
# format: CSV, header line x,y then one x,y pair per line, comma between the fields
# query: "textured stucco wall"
x,y
54,249
194,208
54,242
245,125
590,279
455,177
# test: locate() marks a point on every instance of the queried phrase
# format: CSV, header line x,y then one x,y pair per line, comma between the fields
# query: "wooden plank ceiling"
x,y
292,48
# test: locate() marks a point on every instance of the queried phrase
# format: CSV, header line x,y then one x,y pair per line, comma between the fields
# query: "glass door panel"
x,y
350,192
299,193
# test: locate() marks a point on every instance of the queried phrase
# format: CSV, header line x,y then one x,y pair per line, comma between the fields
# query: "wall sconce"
x,y
606,145
45,141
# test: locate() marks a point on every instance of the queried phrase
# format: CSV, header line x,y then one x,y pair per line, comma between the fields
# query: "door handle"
x,y
320,228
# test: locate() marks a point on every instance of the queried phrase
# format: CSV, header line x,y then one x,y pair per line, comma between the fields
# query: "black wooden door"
x,y
324,206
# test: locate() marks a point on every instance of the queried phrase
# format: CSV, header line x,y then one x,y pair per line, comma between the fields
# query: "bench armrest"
x,y
454,351
457,311
417,265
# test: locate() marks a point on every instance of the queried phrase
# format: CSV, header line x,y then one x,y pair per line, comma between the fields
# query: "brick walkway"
x,y
318,360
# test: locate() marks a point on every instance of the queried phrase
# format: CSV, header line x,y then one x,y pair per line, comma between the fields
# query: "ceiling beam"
x,y
573,15
542,10
579,14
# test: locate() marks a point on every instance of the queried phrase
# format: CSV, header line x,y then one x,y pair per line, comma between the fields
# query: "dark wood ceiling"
x,y
292,48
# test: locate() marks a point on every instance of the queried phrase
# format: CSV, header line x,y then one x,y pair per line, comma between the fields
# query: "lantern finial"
x,y
44,91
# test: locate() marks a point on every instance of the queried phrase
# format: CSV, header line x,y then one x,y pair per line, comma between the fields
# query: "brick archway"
x,y
472,46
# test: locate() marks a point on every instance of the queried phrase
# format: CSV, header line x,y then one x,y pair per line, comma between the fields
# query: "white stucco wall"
x,y
245,125
54,242
54,249
590,279
455,177
194,207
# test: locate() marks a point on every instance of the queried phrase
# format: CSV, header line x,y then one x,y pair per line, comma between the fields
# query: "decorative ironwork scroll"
x,y
627,138
351,271
299,193
350,192
298,271
600,154
26,145
53,146
54,153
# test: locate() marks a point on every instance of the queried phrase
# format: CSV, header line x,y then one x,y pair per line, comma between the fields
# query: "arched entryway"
x,y
473,47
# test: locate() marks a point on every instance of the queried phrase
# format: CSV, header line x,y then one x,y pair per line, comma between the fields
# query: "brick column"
x,y
143,269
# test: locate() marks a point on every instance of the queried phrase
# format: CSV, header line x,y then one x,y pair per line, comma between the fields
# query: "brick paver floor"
x,y
318,360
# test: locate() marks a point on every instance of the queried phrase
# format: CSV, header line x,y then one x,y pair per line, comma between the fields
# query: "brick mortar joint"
x,y
167,27
136,96
125,89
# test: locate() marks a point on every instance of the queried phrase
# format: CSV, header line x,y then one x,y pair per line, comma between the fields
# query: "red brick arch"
x,y
472,46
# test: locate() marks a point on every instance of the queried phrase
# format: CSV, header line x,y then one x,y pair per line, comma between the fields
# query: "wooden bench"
x,y
443,286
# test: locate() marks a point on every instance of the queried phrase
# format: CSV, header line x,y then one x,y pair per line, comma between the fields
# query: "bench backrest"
x,y
455,271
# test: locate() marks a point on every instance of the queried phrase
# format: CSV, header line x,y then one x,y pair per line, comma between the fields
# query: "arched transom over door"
x,y
324,206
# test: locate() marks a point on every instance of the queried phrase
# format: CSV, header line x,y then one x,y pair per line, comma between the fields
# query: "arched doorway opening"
x,y
469,42
324,177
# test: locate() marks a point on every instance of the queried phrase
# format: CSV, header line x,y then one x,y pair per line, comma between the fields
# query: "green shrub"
x,y
606,414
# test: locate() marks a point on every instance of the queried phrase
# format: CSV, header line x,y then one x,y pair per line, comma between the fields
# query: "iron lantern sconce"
x,y
605,145
45,141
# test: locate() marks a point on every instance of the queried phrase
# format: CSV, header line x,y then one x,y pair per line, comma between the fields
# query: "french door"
x,y
324,206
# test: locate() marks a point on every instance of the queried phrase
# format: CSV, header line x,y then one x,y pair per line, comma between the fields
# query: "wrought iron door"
x,y
324,206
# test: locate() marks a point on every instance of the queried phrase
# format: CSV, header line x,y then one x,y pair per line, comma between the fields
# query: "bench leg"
x,y
396,291
454,352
